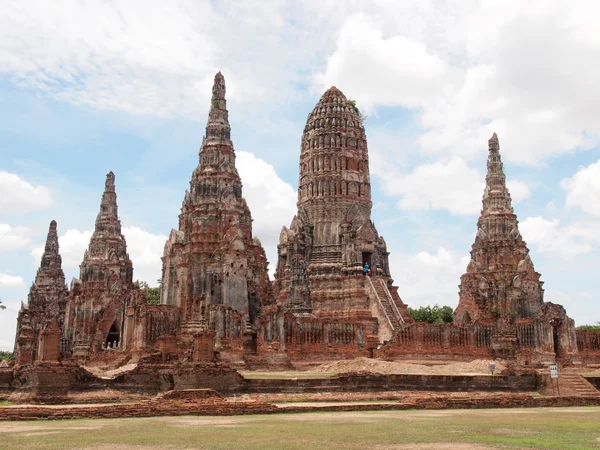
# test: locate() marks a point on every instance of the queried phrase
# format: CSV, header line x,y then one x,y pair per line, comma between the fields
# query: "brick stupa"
x,y
322,254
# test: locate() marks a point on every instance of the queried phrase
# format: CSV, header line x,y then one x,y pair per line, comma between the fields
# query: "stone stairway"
x,y
572,383
385,300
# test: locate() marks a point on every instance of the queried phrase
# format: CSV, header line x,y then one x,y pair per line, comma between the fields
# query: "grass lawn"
x,y
551,428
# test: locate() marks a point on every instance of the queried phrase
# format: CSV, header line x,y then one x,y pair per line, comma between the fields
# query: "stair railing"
x,y
376,295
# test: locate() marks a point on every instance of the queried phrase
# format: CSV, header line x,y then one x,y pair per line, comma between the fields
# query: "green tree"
x,y
589,327
152,294
1,305
6,356
432,314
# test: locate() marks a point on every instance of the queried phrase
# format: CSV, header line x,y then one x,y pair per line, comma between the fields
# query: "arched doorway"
x,y
112,339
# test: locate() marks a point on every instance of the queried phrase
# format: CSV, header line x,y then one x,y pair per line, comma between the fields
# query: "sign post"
x,y
554,376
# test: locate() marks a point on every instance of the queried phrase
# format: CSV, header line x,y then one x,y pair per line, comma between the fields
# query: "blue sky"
x,y
89,88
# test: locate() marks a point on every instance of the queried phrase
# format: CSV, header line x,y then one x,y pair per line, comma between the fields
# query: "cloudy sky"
x,y
89,87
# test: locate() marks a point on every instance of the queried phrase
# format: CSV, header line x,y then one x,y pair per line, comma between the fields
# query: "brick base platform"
x,y
205,402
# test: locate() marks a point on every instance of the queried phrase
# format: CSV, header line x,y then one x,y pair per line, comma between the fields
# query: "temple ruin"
x,y
220,311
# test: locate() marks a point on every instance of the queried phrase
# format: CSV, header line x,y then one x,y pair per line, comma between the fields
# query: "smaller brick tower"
x,y
502,288
97,300
46,302
501,281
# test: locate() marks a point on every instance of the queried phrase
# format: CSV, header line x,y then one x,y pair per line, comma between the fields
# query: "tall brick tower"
x,y
213,268
322,254
46,301
98,299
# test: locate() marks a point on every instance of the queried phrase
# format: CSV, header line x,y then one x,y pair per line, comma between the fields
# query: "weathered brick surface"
x,y
213,405
501,288
378,383
196,402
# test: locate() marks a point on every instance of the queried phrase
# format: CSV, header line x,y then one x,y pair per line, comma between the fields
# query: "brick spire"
x,y
212,259
107,219
217,126
107,245
50,275
496,198
500,280
216,175
51,265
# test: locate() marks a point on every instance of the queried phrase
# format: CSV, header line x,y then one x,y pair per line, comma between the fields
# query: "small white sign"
x,y
553,371
491,366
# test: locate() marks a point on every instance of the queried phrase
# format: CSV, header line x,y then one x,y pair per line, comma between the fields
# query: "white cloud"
x,y
400,70
72,246
583,189
18,195
514,68
13,237
445,184
145,250
11,281
428,278
549,236
159,58
271,200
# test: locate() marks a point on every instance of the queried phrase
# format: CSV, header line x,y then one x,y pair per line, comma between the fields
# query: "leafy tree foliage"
x,y
6,356
435,314
152,294
1,305
589,327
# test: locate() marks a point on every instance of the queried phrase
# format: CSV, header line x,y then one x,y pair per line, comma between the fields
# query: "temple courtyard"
x,y
564,428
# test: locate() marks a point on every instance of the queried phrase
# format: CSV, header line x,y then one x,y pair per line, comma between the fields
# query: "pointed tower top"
x,y
496,198
108,205
217,127
218,90
52,240
333,92
50,272
109,185
107,242
51,257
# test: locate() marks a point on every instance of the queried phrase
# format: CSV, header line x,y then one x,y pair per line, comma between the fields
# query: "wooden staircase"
x,y
385,300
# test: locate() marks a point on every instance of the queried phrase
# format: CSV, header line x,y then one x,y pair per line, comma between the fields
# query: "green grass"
x,y
286,375
549,428
5,403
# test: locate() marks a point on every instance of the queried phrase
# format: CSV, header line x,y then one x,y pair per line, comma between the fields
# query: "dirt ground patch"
x,y
22,427
376,366
134,447
201,422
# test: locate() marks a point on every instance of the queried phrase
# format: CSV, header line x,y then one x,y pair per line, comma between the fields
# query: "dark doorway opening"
x,y
366,259
112,339
555,338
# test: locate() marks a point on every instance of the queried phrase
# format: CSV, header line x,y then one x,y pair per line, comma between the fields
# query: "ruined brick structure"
x,y
216,295
501,287
45,309
95,317
320,285
214,270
